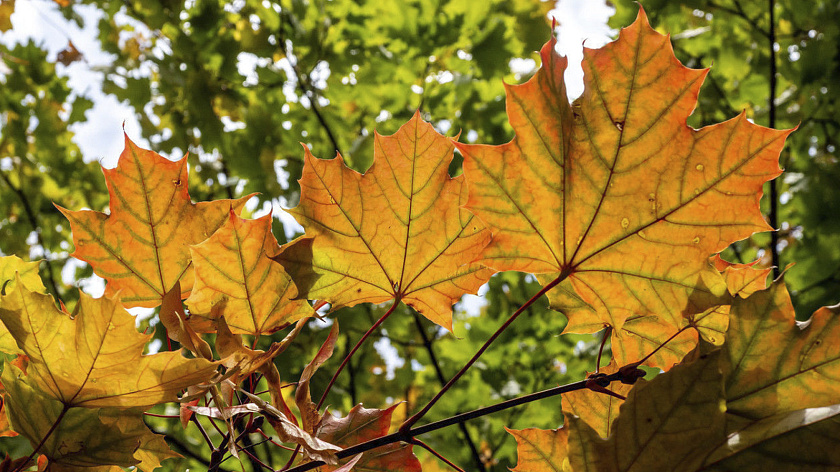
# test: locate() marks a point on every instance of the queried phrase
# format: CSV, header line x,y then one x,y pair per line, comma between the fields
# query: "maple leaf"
x,y
775,364
742,279
396,232
83,437
142,248
613,198
364,424
233,271
541,450
28,272
660,425
598,410
93,357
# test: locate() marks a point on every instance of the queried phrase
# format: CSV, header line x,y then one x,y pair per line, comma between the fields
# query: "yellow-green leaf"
x,y
775,364
662,426
82,438
94,357
234,273
541,450
28,273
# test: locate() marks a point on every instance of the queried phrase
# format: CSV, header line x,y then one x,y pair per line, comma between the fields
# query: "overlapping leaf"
x,y
234,273
84,438
776,364
28,273
614,195
396,232
93,358
363,424
776,376
142,247
541,450
660,426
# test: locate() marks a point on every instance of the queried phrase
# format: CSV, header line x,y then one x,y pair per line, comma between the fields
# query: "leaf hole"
x,y
619,125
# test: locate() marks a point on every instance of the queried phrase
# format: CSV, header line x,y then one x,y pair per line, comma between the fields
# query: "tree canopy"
x,y
263,95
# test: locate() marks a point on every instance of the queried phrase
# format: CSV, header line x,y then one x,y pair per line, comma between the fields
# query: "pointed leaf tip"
x,y
142,247
395,232
615,190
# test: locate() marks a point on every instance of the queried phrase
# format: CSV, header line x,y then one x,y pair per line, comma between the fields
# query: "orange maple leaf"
x,y
396,232
613,198
235,278
142,247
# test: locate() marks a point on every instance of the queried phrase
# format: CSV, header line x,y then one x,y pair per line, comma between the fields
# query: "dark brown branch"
x,y
773,215
407,435
427,343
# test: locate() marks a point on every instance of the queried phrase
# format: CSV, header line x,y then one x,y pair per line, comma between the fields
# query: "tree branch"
x,y
407,435
32,217
427,343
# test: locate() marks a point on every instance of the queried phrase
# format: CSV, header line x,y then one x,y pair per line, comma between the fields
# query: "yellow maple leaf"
x,y
94,356
234,273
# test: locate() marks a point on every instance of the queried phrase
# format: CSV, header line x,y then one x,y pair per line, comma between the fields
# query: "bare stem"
x,y
436,454
427,343
355,348
408,434
411,421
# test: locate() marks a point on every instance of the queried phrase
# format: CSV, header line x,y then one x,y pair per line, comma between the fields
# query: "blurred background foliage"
x,y
242,84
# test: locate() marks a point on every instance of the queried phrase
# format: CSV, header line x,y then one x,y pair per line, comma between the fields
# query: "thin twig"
x,y
773,214
407,435
427,343
411,421
436,454
353,351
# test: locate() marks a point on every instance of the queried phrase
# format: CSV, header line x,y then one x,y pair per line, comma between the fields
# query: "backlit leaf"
x,y
775,364
660,426
93,358
142,247
541,450
78,440
614,191
28,273
742,279
396,232
233,270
